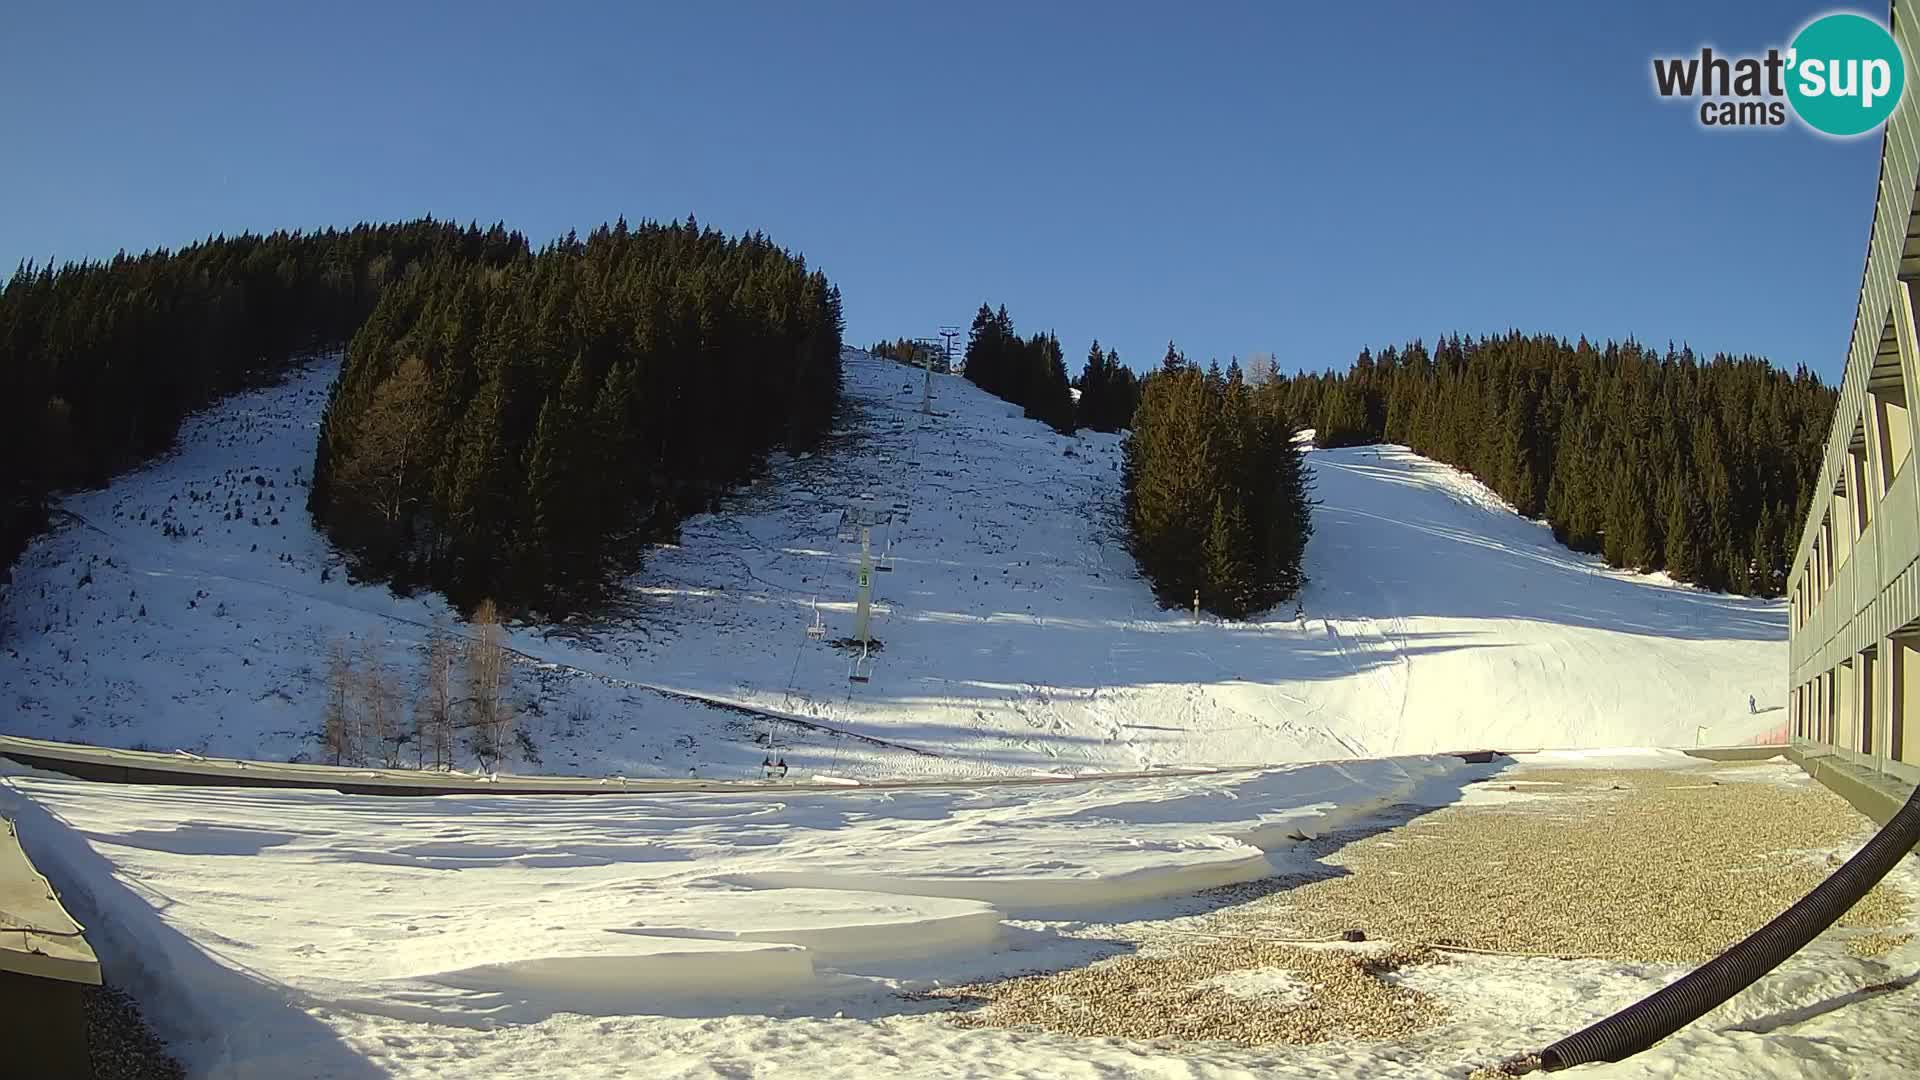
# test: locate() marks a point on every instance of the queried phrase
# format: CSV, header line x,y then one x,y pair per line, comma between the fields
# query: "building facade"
x,y
1854,592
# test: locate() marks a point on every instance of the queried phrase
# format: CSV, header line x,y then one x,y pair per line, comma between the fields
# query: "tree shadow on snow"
x,y
1764,1025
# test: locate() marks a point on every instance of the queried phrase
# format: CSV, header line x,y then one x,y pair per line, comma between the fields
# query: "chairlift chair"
x,y
862,669
817,630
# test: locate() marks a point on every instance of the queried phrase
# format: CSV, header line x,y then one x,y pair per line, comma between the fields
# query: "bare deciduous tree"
x,y
491,719
379,708
433,716
336,727
1261,369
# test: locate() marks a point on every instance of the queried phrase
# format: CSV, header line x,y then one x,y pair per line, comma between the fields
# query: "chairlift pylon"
x,y
861,512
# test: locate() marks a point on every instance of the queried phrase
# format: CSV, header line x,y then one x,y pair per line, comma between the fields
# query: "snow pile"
x,y
185,606
223,906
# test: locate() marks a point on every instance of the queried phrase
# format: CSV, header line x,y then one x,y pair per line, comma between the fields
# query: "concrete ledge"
x,y
37,936
45,967
108,765
1737,753
1874,794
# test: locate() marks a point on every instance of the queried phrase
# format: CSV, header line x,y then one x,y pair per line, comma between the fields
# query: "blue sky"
x,y
1240,177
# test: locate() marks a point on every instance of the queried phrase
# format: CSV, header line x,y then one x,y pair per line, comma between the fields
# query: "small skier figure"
x,y
1752,706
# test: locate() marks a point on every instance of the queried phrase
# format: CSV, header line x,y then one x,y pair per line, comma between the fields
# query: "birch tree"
x,y
491,720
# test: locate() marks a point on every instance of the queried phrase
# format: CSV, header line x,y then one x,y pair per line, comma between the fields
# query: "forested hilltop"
x,y
1031,372
1214,492
914,353
515,431
1217,498
100,361
1656,460
506,421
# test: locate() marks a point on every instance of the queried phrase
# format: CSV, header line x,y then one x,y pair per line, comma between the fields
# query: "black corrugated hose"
x,y
1651,1019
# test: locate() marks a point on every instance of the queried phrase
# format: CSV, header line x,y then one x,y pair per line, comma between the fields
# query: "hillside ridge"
x,y
1016,634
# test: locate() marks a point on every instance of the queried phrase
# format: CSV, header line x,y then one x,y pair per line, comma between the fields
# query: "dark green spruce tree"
x,y
571,405
101,361
1029,372
1216,496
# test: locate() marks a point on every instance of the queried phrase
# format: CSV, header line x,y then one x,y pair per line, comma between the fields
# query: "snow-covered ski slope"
x,y
1015,632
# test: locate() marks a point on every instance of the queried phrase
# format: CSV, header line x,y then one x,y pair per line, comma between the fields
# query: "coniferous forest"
x,y
1217,499
517,431
1029,372
1654,460
912,353
507,424
488,390
1109,392
100,361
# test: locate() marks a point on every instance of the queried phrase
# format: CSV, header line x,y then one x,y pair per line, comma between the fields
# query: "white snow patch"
x,y
1275,985
1616,757
612,967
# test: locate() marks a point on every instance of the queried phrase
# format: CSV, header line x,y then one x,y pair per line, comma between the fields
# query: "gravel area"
x,y
1175,994
119,1042
1871,945
1643,865
1669,867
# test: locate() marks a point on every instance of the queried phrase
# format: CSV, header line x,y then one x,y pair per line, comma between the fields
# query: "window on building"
x,y
1896,433
1827,560
1843,519
1857,484
1868,706
1887,395
1897,658
1816,568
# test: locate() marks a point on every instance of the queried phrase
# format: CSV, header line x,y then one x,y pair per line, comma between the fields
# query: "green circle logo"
x,y
1845,74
